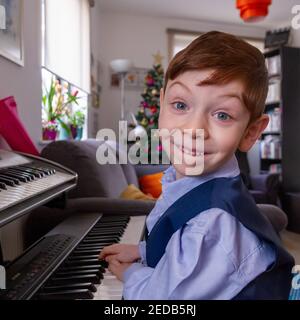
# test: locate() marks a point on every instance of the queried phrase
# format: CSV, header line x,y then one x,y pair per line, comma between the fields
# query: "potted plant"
x,y
76,122
55,104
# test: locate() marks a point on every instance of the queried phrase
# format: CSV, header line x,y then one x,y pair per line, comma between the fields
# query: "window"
x,y
66,50
178,40
65,67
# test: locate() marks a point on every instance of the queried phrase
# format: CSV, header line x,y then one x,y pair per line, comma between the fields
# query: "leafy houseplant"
x,y
55,107
76,121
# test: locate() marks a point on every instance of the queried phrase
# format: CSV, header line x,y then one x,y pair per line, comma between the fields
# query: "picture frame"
x,y
134,79
11,38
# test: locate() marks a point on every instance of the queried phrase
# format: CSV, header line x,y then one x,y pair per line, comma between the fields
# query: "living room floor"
x,y
291,242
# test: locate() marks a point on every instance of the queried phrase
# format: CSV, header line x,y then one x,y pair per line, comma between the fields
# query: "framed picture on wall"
x,y
11,37
134,79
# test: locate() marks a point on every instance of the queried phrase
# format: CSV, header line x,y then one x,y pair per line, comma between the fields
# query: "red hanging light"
x,y
253,10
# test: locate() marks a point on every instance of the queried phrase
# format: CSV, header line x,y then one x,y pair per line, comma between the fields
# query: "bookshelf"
x,y
280,142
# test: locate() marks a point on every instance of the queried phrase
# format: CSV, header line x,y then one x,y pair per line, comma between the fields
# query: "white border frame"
x,y
20,61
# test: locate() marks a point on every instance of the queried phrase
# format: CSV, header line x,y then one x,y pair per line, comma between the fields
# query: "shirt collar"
x,y
173,189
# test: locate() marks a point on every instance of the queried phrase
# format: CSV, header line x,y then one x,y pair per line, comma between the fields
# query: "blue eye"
x,y
180,106
223,116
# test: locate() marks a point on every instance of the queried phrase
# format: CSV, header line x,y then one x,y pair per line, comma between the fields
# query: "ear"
x,y
253,132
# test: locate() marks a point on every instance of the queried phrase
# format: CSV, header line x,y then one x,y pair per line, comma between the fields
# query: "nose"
x,y
197,122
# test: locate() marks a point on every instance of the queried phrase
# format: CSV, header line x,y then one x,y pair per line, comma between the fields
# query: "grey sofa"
x,y
99,187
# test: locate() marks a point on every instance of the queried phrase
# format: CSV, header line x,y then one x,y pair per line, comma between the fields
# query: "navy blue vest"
x,y
231,195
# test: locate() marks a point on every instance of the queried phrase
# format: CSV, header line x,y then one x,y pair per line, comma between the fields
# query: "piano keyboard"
x,y
27,182
20,183
80,274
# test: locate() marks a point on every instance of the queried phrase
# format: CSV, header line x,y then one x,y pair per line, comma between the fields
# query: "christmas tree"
x,y
148,113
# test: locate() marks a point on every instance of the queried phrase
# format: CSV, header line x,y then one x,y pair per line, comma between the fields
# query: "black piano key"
x,y
112,224
28,171
85,252
75,257
76,278
75,268
94,241
31,177
83,262
86,285
3,186
39,174
99,231
110,229
79,273
50,171
99,245
46,171
12,182
67,295
17,179
114,218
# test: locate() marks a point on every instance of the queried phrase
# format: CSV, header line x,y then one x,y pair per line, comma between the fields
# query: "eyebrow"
x,y
181,84
226,95
231,95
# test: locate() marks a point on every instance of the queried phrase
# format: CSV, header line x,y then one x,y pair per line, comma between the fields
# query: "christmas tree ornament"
x,y
153,109
144,122
154,92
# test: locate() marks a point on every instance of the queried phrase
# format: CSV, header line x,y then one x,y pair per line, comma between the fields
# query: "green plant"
x,y
76,119
56,102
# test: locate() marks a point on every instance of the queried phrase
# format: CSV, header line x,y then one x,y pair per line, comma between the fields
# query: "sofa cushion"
x,y
134,193
151,183
94,180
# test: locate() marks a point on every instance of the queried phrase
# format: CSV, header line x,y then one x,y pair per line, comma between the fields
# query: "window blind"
x,y
67,40
178,40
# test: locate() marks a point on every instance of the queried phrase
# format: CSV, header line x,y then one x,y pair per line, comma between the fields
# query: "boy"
x,y
206,237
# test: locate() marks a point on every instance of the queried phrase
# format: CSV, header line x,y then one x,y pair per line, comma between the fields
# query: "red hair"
x,y
232,59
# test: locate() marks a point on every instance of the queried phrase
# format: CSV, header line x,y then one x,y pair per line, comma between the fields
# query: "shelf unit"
x,y
280,142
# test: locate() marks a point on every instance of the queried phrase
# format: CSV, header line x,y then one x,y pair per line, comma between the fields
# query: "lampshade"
x,y
253,10
120,65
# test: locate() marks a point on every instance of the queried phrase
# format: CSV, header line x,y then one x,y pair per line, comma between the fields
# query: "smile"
x,y
190,152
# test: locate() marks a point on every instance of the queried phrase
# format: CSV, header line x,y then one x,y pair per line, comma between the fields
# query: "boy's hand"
x,y
117,268
124,253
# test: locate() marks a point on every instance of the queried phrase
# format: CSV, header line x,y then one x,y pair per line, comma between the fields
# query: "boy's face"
x,y
217,109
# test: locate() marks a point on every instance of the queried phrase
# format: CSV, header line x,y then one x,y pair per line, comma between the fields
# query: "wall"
x,y
137,38
24,83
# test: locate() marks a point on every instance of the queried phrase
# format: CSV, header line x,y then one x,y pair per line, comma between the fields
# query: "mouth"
x,y
191,152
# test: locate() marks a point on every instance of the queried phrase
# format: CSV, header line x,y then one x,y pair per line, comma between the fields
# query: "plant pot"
x,y
76,132
49,134
64,134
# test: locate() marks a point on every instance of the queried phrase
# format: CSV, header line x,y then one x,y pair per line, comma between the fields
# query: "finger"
x,y
114,266
107,251
111,257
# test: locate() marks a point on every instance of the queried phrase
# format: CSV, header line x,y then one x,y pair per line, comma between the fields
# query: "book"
x,y
13,130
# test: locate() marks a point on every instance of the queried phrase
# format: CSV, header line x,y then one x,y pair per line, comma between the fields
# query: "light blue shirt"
x,y
213,257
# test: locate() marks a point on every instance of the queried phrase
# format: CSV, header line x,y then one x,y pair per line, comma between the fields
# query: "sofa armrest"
x,y
265,182
275,215
111,206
